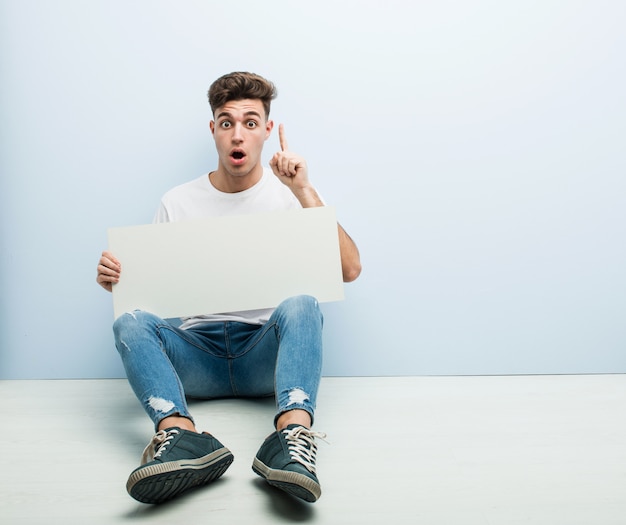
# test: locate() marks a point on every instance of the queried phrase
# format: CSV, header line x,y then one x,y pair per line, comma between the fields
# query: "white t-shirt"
x,y
199,199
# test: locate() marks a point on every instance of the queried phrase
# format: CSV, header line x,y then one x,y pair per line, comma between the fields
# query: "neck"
x,y
234,183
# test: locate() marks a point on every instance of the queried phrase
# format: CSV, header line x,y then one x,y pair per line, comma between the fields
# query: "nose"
x,y
237,135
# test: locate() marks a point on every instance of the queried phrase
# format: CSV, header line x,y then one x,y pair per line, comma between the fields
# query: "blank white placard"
x,y
227,264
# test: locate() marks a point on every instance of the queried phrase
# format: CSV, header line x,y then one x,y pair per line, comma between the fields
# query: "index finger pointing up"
x,y
281,137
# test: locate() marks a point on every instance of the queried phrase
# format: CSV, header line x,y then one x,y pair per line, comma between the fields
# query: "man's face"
x,y
240,130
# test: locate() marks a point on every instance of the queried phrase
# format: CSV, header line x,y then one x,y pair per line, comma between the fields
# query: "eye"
x,y
225,124
251,124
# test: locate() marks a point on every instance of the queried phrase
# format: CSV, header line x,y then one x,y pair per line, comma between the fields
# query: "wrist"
x,y
308,196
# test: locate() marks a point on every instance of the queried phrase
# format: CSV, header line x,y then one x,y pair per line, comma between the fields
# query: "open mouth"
x,y
237,155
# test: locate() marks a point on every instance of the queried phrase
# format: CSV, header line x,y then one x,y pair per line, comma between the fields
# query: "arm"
x,y
292,171
109,269
350,257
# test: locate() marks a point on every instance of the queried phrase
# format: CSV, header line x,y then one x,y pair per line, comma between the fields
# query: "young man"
x,y
250,353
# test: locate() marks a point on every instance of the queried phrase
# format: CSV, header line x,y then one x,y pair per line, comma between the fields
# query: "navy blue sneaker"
x,y
175,461
286,460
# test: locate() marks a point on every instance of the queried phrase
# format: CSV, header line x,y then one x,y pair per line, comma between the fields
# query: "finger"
x,y
110,261
277,163
108,255
104,270
109,266
107,282
108,286
103,280
291,167
282,138
285,166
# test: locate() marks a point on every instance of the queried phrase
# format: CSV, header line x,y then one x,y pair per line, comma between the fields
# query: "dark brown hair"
x,y
240,86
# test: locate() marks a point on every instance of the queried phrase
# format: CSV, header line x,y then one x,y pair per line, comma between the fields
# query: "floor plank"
x,y
435,450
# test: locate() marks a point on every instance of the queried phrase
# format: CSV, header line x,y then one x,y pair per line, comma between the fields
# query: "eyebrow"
x,y
246,114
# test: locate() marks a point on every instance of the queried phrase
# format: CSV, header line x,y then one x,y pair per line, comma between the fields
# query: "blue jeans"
x,y
164,364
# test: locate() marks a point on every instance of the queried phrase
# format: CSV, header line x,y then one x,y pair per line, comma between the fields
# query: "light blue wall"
x,y
473,149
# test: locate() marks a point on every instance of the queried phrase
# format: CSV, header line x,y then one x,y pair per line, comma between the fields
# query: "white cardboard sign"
x,y
227,264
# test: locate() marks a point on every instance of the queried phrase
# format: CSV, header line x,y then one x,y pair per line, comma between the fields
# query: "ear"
x,y
269,125
212,127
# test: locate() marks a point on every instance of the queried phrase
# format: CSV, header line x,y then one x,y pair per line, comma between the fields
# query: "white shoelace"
x,y
302,447
157,445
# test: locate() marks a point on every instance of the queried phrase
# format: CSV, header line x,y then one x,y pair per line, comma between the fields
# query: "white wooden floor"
x,y
424,450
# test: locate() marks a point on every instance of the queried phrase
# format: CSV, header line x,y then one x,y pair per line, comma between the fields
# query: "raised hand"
x,y
289,167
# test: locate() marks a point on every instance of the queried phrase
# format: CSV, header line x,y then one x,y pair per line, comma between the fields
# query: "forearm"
x,y
350,257
308,197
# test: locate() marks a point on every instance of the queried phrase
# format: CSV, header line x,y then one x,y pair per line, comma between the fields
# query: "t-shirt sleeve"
x,y
161,214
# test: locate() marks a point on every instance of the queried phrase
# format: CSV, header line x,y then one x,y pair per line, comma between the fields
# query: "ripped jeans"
x,y
283,357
